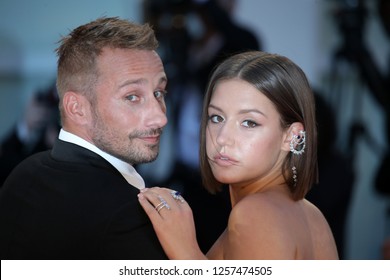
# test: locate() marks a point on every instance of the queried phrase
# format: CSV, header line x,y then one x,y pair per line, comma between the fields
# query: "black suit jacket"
x,y
70,203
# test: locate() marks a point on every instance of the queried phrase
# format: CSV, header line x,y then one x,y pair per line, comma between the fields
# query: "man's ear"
x,y
294,129
76,107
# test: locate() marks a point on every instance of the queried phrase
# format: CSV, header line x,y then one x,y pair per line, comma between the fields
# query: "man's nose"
x,y
156,115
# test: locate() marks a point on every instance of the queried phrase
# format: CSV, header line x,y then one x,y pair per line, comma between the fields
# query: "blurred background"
x,y
342,45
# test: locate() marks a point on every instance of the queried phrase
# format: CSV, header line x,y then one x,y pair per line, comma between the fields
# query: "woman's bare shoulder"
x,y
315,216
257,230
321,233
264,226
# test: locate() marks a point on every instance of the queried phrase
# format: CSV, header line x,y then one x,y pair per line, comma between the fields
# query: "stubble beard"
x,y
127,149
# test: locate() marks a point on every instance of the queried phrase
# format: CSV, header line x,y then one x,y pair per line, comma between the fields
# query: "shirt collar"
x,y
127,170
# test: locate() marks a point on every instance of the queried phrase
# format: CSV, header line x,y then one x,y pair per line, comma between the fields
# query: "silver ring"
x,y
176,195
162,204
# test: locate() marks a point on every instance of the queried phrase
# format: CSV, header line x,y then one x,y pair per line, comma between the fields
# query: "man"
x,y
79,200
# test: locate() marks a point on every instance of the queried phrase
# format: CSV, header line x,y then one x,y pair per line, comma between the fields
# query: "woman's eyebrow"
x,y
241,112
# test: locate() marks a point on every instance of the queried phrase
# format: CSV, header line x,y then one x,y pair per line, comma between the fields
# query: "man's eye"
x,y
159,94
216,119
132,98
249,124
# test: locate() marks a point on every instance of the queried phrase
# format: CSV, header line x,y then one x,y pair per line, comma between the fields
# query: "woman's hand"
x,y
173,222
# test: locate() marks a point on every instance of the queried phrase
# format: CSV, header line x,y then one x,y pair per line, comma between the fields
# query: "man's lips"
x,y
151,138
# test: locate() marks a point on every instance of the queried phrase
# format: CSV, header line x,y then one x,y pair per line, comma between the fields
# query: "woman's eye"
x,y
216,119
160,94
249,124
132,98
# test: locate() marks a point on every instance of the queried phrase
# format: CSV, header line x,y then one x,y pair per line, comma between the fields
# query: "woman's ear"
x,y
295,129
76,107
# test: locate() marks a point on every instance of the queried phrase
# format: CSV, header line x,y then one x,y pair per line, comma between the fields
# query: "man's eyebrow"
x,y
132,82
163,80
140,81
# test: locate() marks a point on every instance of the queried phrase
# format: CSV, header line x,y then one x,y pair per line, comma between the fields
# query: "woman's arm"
x,y
173,222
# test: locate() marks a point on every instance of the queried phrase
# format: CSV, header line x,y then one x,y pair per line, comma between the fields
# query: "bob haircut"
x,y
286,86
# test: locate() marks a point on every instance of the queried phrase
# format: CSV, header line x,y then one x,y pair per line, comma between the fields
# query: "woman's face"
x,y
244,137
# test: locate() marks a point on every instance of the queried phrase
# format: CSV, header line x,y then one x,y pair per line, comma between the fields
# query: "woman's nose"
x,y
225,134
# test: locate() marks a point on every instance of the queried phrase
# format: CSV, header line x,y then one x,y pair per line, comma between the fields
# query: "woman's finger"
x,y
173,197
153,204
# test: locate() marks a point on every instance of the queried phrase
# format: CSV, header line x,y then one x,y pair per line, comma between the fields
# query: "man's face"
x,y
129,111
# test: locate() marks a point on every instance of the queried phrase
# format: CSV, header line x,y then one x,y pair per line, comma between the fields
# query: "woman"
x,y
258,136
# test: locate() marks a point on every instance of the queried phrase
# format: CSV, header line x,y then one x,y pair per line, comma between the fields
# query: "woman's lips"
x,y
224,160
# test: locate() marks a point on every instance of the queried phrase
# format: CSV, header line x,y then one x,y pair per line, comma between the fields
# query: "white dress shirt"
x,y
127,170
